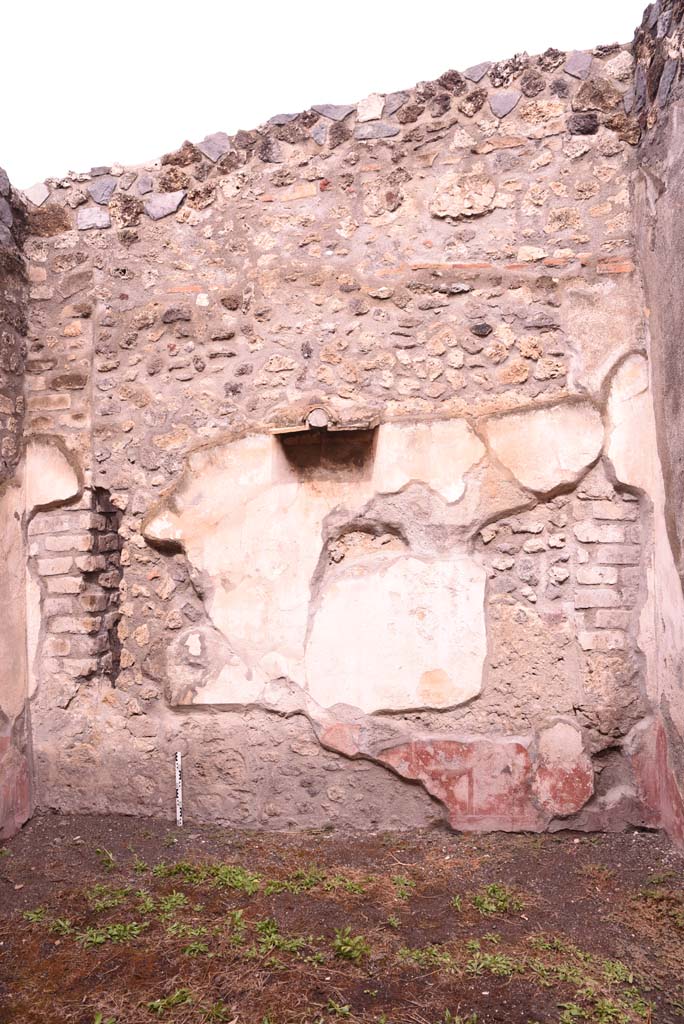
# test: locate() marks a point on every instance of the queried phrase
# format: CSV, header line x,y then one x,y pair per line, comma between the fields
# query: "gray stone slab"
x,y
664,22
375,130
215,146
319,133
394,102
89,217
503,101
127,179
97,172
37,194
666,79
6,216
282,118
102,189
578,64
145,184
478,71
4,183
335,112
162,204
640,88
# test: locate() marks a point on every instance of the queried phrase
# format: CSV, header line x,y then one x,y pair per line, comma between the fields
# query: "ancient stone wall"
x,y
658,197
335,422
15,798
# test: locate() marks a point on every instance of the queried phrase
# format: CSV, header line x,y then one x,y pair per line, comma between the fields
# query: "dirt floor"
x,y
113,920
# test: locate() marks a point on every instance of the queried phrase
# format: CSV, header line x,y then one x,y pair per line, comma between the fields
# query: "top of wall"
x,y
580,93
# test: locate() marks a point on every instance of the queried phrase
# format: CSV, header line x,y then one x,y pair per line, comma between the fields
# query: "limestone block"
x,y
547,448
463,195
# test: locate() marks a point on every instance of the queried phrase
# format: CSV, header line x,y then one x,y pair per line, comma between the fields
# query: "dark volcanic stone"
x,y
532,83
175,313
453,81
409,113
583,124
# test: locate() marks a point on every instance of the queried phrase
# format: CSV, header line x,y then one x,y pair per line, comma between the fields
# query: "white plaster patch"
x,y
547,448
252,521
403,635
50,477
438,454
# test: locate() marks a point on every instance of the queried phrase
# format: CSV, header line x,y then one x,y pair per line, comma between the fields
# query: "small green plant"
x,y
197,949
178,998
99,1019
230,876
571,1013
337,1009
497,964
348,946
457,903
616,972
146,904
35,916
62,926
122,932
186,931
403,887
174,901
106,858
393,921
270,938
218,1011
298,882
497,899
335,882
105,897
606,1012
428,957
139,866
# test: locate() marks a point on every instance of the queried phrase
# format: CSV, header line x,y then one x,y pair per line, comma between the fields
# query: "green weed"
x,y
106,858
348,946
34,916
428,957
179,997
403,887
497,899
105,897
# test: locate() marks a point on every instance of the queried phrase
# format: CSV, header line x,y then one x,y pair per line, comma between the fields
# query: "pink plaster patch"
x,y
15,789
656,780
564,776
484,783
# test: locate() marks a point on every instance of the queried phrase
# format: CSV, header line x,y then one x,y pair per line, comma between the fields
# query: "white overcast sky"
x,y
91,83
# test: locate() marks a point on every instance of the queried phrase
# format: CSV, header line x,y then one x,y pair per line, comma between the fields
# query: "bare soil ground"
x,y
114,919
